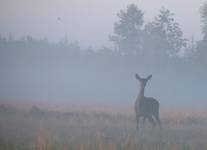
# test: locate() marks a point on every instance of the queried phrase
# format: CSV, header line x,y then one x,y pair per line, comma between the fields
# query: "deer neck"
x,y
141,94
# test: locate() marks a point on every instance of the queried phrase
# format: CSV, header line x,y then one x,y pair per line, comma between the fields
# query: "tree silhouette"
x,y
204,20
200,57
165,34
128,30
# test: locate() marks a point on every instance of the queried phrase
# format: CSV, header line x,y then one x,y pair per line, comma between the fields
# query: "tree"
x,y
200,56
165,34
128,30
203,12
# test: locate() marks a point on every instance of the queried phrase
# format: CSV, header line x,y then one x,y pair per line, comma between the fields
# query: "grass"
x,y
50,130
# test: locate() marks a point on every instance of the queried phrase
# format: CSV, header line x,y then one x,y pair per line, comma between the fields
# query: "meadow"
x,y
44,129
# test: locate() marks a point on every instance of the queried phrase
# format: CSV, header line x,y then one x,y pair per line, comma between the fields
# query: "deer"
x,y
146,107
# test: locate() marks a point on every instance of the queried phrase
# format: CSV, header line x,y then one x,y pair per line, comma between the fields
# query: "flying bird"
x,y
58,18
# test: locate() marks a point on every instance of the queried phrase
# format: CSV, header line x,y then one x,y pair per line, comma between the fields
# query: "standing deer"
x,y
146,107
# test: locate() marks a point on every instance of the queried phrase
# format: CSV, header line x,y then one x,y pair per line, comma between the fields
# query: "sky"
x,y
88,22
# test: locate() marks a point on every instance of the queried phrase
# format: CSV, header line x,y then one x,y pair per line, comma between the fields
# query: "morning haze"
x,y
69,54
87,21
103,74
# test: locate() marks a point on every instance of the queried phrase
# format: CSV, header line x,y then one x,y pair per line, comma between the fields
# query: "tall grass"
x,y
50,130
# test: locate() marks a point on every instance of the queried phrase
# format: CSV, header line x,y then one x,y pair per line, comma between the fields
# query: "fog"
x,y
64,58
88,22
107,75
42,71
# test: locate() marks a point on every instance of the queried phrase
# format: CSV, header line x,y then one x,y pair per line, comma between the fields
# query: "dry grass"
x,y
48,130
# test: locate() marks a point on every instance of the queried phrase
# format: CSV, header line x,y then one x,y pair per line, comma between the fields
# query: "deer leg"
x,y
158,120
143,123
137,119
151,120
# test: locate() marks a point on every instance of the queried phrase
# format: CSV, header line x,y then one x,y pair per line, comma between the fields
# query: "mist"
x,y
89,75
69,57
37,70
88,22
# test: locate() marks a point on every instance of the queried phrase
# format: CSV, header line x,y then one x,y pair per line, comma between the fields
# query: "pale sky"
x,y
88,22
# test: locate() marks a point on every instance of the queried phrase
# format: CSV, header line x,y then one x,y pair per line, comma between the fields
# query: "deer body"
x,y
146,107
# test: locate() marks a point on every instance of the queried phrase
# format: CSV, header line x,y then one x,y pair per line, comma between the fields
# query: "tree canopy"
x,y
161,37
204,20
128,30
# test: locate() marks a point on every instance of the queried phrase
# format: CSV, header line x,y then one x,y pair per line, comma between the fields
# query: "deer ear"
x,y
149,77
137,76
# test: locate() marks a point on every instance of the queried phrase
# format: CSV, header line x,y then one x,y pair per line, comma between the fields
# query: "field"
x,y
41,129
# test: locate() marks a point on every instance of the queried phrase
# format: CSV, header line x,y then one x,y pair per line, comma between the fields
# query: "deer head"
x,y
143,81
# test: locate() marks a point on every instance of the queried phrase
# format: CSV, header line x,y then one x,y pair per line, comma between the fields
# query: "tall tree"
x,y
204,20
200,56
165,34
128,30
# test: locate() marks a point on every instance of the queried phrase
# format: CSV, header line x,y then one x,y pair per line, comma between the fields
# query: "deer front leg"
x,y
143,123
137,119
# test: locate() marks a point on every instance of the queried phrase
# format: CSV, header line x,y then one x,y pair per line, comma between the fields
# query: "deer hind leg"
x,y
158,119
151,120
137,119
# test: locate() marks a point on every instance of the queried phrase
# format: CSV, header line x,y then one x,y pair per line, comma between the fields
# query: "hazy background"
x,y
58,63
88,22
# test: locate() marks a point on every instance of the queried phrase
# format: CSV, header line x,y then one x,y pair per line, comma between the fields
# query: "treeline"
x,y
159,43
